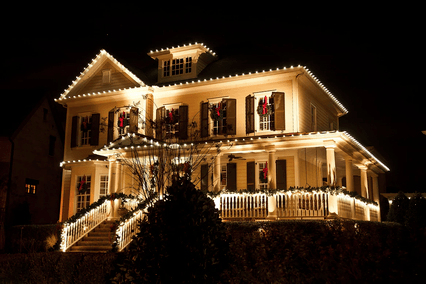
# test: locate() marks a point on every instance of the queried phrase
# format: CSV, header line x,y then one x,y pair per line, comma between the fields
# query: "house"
x,y
279,128
31,143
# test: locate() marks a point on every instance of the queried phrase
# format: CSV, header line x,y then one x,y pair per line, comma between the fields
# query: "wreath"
x,y
172,117
83,187
264,109
122,121
85,124
216,112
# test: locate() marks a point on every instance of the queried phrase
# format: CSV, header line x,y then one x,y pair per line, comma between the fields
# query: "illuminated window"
x,y
265,111
219,125
31,185
179,66
85,130
223,177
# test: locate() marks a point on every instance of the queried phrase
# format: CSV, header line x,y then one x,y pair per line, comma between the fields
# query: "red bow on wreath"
x,y
122,119
171,115
218,110
82,182
265,171
264,106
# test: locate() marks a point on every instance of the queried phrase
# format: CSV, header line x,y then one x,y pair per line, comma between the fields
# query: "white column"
x,y
364,181
216,174
331,162
272,179
349,174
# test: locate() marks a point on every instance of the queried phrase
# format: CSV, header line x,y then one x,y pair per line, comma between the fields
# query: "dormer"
x,y
182,62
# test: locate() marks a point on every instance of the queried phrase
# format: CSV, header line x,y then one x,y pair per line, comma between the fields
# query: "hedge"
x,y
263,252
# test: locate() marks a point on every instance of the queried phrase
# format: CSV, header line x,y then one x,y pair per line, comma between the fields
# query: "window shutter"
x,y
149,115
110,137
183,122
133,120
249,114
231,176
74,127
251,175
204,177
231,116
281,174
279,110
204,120
160,115
94,140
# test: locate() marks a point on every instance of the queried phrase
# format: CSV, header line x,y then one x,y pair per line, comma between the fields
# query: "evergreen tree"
x,y
416,213
398,210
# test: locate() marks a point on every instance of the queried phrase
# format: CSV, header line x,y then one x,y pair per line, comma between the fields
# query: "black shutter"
x,y
94,139
160,115
74,129
231,176
183,122
110,137
133,120
249,114
251,175
281,174
279,110
204,177
204,123
231,116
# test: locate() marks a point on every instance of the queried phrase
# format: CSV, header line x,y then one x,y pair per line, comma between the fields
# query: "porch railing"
x,y
294,205
127,229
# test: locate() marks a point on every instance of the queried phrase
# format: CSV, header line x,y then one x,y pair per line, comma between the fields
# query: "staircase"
x,y
98,240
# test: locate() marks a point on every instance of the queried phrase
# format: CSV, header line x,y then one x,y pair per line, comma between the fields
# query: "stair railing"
x,y
76,228
127,229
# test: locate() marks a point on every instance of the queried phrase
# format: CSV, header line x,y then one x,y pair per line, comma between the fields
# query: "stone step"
x,y
97,248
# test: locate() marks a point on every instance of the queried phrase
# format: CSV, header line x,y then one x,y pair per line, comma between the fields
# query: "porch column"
x,y
364,181
216,174
111,174
331,162
349,174
272,179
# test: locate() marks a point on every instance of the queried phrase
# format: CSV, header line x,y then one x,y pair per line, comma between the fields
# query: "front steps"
x,y
98,240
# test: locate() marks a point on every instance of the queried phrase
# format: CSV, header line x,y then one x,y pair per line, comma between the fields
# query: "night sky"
x,y
369,59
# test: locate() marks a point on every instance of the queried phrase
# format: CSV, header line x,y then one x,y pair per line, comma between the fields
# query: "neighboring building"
x,y
283,125
31,143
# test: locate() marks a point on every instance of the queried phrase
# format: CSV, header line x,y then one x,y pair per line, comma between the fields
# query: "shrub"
x,y
181,240
398,210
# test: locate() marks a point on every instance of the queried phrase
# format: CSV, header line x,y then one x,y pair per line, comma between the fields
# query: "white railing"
x,y
300,205
243,205
127,229
295,204
72,232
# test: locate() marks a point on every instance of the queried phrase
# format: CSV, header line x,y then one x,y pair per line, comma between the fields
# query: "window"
x,y
263,175
166,68
31,185
172,122
179,66
265,110
103,186
85,130
218,116
52,140
83,192
106,76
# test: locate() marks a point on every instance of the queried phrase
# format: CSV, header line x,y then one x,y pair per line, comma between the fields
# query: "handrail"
x,y
127,229
73,231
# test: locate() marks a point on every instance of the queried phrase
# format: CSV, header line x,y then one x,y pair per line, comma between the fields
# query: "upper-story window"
x,y
177,66
218,117
172,122
85,129
265,111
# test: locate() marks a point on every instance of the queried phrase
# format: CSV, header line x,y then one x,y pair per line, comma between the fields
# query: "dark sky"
x,y
370,59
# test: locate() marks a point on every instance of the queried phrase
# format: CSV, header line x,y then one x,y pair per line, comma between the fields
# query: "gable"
x,y
107,77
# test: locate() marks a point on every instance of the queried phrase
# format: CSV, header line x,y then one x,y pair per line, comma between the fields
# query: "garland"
x,y
264,109
216,112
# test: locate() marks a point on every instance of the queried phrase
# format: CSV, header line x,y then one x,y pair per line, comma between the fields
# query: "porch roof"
x,y
342,141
